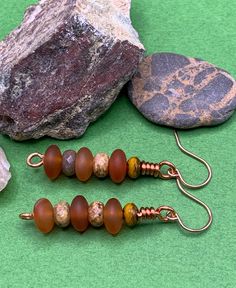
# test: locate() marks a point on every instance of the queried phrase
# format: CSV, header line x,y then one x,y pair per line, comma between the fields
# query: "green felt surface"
x,y
156,254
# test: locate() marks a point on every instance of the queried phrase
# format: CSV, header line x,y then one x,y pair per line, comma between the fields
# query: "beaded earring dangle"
x,y
84,165
80,214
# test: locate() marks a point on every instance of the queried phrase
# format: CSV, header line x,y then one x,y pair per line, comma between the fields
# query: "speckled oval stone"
x,y
95,213
181,92
62,214
100,165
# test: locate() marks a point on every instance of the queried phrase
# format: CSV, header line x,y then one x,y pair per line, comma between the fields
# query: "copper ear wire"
x,y
175,173
198,201
194,156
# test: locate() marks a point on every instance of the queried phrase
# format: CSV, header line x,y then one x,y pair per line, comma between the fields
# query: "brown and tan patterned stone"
x,y
182,92
100,165
95,213
62,214
64,66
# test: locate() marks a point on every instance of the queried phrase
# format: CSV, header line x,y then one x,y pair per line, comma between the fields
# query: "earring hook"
x,y
175,173
194,156
198,201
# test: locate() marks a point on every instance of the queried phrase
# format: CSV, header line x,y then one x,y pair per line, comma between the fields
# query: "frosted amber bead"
x,y
130,214
43,215
52,162
84,164
133,167
117,166
113,216
79,213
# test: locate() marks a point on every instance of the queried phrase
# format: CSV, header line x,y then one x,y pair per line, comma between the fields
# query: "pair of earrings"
x,y
82,164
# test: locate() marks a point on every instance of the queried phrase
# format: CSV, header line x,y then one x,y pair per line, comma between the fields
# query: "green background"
x,y
152,254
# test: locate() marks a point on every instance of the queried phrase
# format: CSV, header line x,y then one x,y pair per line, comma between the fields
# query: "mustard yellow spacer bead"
x,y
133,167
130,214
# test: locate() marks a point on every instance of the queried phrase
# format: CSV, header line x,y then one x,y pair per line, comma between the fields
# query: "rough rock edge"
x,y
60,131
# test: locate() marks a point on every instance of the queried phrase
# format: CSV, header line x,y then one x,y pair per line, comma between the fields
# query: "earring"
x,y
83,165
81,215
112,216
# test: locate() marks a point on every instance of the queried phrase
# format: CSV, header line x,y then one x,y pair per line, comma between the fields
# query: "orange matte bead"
x,y
52,162
79,213
43,215
84,164
117,166
113,216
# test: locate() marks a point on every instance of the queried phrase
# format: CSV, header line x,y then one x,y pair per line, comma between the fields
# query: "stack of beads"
x,y
81,215
83,164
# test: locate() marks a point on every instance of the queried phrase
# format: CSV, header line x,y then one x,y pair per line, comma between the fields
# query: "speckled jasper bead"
x,y
68,162
95,213
62,214
100,165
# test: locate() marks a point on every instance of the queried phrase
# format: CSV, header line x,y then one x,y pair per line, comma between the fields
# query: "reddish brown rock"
x,y
64,66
